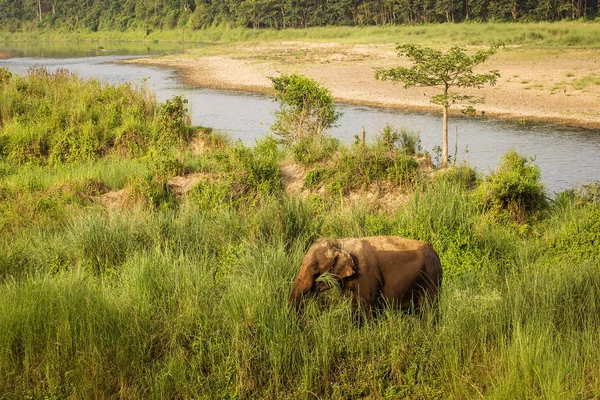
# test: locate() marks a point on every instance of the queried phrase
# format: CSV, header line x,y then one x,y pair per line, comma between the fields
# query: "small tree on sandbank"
x,y
433,68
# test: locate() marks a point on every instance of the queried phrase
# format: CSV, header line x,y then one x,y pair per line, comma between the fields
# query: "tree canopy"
x,y
445,71
306,108
100,15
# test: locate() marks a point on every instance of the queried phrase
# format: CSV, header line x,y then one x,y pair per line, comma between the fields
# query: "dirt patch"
x,y
293,175
560,86
380,196
116,199
181,185
124,199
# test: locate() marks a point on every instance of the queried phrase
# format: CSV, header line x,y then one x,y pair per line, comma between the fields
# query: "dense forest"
x,y
99,15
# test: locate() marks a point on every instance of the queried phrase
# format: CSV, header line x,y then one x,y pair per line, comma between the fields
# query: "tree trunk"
x,y
445,138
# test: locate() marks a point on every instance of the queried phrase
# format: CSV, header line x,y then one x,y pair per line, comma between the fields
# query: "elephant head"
x,y
323,256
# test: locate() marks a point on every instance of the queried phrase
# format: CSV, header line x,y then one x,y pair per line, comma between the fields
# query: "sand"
x,y
560,86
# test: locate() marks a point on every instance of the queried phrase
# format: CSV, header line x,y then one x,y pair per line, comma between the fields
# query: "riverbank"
x,y
556,85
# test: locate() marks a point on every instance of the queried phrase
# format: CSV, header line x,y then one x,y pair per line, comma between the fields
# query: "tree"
x,y
433,68
306,110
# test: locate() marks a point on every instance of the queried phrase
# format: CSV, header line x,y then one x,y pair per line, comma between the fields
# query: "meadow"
x,y
164,295
571,34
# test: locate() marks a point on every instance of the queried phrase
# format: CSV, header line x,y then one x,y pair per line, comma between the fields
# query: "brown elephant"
x,y
380,270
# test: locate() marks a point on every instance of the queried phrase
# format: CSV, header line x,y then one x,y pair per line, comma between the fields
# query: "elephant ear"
x,y
344,265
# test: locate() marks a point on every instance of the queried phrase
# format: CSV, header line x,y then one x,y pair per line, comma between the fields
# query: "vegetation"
x,y
445,71
566,34
103,15
306,108
185,296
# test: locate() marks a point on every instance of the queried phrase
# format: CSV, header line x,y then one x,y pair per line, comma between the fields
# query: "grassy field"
x,y
166,296
558,34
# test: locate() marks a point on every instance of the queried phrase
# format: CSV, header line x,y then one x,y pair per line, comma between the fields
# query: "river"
x,y
567,156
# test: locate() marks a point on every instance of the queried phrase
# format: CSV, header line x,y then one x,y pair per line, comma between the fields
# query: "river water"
x,y
567,156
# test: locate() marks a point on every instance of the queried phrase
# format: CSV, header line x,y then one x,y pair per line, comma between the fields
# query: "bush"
x,y
154,191
513,189
211,196
407,142
307,109
462,175
258,168
53,118
172,133
573,231
359,167
310,150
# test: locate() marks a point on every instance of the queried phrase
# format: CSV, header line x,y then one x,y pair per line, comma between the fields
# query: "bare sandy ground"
x,y
561,86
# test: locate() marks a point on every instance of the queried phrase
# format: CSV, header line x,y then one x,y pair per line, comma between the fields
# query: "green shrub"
x,y
153,190
314,177
358,167
55,118
573,232
589,193
213,195
463,175
170,137
309,150
307,109
513,189
259,167
407,142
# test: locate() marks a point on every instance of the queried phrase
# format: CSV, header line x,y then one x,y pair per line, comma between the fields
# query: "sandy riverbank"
x,y
535,85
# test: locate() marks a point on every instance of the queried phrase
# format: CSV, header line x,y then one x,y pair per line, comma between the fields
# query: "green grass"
x,y
584,82
187,297
545,34
191,304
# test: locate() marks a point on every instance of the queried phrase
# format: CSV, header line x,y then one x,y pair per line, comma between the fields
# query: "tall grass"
x,y
190,300
185,304
542,34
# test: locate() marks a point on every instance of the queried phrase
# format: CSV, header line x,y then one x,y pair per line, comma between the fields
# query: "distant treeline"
x,y
99,15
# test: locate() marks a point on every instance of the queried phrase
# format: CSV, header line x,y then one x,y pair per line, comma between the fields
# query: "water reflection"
x,y
567,156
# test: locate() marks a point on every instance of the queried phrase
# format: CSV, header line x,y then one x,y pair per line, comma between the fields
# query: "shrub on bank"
x,y
390,159
513,190
56,117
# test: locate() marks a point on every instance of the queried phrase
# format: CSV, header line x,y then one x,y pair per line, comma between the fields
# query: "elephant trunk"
x,y
300,289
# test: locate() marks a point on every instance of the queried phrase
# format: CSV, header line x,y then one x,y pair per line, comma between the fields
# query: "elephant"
x,y
378,271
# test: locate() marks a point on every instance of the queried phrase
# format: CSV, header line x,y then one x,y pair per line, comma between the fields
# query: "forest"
x,y
104,15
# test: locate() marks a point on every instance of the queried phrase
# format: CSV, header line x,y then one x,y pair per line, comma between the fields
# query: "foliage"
x,y
356,168
408,142
306,108
56,117
462,175
189,300
193,300
445,71
152,190
170,137
310,150
148,16
514,188
260,165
